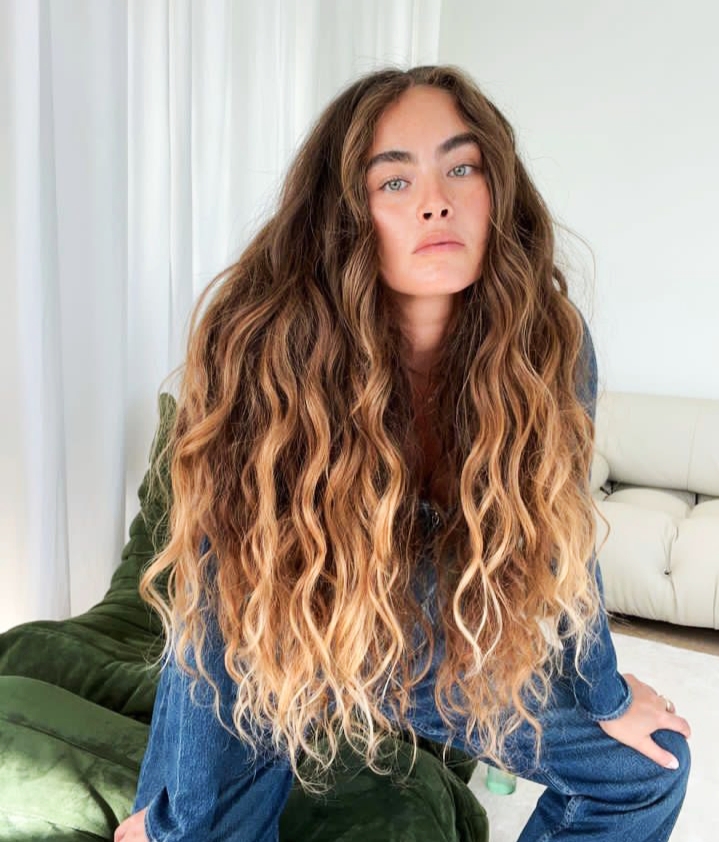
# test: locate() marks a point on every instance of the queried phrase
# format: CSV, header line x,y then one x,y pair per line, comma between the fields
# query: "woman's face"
x,y
425,184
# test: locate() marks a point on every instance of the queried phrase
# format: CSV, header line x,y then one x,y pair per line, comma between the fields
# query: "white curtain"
x,y
142,143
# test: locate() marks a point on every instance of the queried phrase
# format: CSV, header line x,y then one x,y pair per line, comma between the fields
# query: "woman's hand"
x,y
132,829
647,713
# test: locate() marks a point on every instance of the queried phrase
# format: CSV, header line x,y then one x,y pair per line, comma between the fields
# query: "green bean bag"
x,y
76,701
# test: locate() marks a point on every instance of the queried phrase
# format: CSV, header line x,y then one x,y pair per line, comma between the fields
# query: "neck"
x,y
423,321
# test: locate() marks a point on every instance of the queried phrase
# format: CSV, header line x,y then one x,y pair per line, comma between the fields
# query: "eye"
x,y
467,168
392,186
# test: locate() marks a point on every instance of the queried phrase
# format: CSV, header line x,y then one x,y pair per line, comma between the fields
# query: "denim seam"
x,y
574,803
572,806
555,782
149,832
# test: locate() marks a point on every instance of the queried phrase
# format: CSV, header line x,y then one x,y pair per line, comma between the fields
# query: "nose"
x,y
429,214
434,203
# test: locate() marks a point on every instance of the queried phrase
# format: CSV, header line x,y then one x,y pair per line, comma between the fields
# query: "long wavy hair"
x,y
295,454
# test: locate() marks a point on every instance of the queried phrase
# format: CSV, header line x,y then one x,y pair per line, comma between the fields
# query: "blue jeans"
x,y
200,783
596,787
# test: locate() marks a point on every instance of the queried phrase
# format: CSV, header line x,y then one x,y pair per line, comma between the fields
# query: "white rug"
x,y
691,680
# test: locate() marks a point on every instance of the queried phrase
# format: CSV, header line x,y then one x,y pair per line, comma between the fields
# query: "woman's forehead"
x,y
423,117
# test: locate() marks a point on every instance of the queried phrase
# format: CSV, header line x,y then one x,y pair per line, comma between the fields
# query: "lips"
x,y
438,242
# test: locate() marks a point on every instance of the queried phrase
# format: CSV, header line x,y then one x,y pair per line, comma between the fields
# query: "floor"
x,y
684,637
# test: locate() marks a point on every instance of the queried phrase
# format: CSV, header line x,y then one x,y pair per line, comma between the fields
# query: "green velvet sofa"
x,y
76,701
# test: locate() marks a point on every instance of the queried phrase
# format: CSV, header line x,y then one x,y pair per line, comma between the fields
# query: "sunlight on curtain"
x,y
144,144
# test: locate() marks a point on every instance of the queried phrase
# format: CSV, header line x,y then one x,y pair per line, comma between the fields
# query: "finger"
x,y
642,685
121,831
678,723
655,752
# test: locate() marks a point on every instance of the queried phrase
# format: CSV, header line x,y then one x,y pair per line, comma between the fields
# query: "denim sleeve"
x,y
600,691
198,780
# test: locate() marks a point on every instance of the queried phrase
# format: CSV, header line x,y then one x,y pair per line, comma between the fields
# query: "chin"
x,y
440,285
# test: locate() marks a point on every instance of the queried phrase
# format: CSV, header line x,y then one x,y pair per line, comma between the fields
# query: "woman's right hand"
x,y
647,713
132,829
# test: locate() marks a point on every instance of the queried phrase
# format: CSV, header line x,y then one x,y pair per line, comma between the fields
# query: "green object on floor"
x,y
76,701
499,782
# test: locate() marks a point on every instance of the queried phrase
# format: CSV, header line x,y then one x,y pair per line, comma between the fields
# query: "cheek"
x,y
389,234
478,212
484,208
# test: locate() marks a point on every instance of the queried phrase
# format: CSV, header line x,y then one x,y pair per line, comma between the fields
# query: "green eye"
x,y
466,167
393,181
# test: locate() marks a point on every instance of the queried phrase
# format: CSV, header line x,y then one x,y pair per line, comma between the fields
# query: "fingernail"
x,y
673,763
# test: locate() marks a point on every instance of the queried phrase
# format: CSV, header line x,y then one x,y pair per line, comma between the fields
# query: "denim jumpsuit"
x,y
199,782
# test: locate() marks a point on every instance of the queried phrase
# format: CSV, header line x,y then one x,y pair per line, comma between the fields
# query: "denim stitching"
x,y
569,812
148,832
556,782
573,804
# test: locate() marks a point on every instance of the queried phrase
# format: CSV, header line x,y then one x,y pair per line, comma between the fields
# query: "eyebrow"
x,y
402,157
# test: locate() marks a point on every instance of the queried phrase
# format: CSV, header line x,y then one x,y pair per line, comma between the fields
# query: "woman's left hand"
x,y
132,829
647,713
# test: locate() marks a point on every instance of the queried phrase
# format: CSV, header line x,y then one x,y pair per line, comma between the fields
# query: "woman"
x,y
382,452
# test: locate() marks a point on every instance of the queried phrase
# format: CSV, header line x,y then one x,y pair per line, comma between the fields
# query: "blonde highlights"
x,y
294,453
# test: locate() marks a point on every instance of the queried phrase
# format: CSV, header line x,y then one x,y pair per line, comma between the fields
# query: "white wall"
x,y
616,108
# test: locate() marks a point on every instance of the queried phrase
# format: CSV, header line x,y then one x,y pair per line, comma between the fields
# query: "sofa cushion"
x,y
660,441
431,803
635,559
599,473
69,767
660,559
656,563
694,567
705,498
709,508
677,504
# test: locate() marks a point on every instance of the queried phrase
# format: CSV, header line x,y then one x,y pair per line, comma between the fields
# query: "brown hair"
x,y
294,453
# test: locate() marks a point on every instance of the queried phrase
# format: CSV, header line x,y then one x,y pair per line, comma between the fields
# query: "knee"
x,y
655,794
673,782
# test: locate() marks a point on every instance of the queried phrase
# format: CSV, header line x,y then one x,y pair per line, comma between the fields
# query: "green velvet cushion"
x,y
76,699
433,803
101,655
69,771
69,767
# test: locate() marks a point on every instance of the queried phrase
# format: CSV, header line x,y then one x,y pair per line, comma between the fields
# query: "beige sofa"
x,y
655,478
